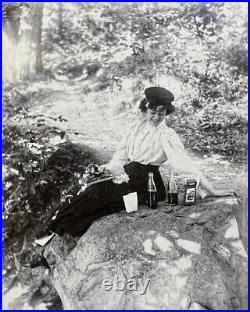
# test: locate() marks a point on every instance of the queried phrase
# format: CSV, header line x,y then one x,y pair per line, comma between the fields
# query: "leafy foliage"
x,y
204,45
38,180
218,132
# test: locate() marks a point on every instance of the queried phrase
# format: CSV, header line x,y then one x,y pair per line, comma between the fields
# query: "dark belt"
x,y
152,168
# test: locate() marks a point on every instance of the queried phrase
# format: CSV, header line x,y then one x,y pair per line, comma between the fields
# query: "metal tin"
x,y
190,192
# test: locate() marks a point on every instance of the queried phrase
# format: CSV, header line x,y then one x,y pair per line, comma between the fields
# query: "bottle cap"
x,y
191,181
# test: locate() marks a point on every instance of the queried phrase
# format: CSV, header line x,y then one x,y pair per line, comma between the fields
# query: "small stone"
x,y
232,232
163,244
148,245
190,246
196,306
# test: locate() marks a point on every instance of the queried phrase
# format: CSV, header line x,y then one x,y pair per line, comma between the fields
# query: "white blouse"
x,y
147,144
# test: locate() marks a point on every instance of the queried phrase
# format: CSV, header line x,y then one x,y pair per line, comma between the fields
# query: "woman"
x,y
146,145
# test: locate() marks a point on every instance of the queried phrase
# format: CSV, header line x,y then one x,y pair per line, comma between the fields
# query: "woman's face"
x,y
156,116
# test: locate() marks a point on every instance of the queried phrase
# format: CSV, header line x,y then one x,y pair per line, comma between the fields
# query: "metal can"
x,y
190,192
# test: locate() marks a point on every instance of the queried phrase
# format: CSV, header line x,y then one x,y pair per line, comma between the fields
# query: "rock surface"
x,y
168,258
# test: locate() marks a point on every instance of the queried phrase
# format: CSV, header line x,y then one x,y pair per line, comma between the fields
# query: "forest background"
x,y
73,77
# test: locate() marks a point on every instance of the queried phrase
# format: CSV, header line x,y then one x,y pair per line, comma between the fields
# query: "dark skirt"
x,y
104,198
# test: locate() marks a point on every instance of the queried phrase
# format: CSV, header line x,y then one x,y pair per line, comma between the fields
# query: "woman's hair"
x,y
145,104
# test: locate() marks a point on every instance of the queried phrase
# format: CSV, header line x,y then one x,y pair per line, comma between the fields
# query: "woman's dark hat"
x,y
158,96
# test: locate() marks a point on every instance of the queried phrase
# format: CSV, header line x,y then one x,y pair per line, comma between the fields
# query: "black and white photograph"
x,y
124,155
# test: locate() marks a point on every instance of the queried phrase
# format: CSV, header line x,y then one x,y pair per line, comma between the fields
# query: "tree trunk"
x,y
36,25
60,21
10,29
11,22
29,59
22,48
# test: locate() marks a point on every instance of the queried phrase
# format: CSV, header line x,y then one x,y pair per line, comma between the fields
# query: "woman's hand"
x,y
104,167
216,192
224,192
115,169
118,173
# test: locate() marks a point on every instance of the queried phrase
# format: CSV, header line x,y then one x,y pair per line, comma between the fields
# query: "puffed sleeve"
x,y
120,157
176,153
179,159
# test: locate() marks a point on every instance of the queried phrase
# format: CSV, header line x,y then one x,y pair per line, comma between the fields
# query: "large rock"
x,y
155,259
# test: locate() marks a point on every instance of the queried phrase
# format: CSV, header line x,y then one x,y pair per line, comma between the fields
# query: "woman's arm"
x,y
120,157
179,159
212,190
176,153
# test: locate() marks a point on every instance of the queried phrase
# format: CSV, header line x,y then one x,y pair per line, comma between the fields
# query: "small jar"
x,y
190,192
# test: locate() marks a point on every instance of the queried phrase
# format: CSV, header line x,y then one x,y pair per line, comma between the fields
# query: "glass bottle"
x,y
167,191
172,191
152,191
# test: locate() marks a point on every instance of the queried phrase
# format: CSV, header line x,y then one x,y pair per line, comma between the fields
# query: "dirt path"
x,y
93,116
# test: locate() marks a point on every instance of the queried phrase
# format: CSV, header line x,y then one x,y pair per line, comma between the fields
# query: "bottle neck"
x,y
172,184
151,183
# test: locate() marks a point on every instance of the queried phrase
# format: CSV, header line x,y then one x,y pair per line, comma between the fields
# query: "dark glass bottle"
x,y
172,191
152,192
167,191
